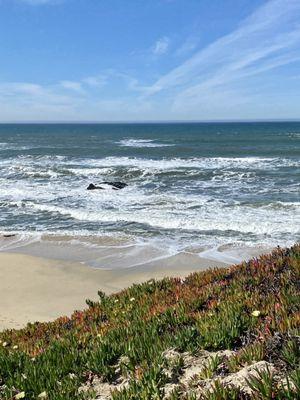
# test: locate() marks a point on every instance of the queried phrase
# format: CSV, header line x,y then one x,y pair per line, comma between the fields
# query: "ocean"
x,y
192,187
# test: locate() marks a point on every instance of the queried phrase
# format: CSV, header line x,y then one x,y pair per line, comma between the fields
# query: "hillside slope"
x,y
219,334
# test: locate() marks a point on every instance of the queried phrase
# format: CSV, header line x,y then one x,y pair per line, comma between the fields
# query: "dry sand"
x,y
38,289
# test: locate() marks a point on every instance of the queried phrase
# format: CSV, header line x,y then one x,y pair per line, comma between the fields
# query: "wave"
x,y
253,163
17,239
11,146
211,163
4,146
294,135
208,218
117,252
141,143
217,170
212,198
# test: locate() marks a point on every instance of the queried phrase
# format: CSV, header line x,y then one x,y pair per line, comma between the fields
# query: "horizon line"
x,y
151,121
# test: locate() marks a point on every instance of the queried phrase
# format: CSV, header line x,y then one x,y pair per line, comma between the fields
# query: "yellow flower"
x,y
15,347
20,395
255,313
42,395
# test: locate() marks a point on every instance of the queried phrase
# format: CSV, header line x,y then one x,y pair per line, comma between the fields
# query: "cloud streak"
x,y
161,46
270,34
229,74
72,85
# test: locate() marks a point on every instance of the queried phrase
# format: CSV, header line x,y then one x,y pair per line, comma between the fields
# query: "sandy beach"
x,y
39,289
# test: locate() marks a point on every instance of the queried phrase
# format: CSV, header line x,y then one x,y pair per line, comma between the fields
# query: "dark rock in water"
x,y
115,185
93,187
9,235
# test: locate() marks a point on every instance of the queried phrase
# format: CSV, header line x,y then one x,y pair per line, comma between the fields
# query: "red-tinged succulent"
x,y
252,308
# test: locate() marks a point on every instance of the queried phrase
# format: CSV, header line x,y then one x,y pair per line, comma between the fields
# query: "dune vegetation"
x,y
229,333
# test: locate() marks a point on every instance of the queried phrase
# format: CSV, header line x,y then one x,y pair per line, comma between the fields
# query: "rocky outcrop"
x,y
196,375
93,187
115,185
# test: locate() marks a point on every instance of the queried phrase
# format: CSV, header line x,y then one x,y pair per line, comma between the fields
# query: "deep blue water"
x,y
210,184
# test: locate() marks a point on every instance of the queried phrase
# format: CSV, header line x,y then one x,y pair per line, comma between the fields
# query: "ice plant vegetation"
x,y
121,341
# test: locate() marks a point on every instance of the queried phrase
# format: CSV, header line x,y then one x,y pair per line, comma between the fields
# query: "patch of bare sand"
x,y
38,289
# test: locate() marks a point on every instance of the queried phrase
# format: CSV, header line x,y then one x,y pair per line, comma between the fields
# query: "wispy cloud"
x,y
73,100
72,85
161,46
97,81
187,47
227,75
28,101
265,40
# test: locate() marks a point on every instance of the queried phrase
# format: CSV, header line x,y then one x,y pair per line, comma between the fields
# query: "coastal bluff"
x,y
226,333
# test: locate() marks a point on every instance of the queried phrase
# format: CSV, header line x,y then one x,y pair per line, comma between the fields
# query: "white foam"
x,y
140,143
294,135
235,253
17,240
95,251
17,147
211,163
206,199
50,164
211,217
215,254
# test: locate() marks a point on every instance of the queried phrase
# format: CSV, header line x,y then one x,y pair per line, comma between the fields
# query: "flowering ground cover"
x,y
229,333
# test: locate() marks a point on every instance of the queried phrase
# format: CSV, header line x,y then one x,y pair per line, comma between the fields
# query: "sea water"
x,y
191,186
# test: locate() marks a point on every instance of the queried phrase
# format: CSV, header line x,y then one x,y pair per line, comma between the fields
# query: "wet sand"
x,y
39,289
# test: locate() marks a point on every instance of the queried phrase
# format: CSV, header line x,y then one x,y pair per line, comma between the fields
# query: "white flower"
x,y
116,301
15,347
132,299
4,344
255,313
42,395
20,395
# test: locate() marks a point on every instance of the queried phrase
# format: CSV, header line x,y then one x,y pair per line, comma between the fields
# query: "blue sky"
x,y
137,60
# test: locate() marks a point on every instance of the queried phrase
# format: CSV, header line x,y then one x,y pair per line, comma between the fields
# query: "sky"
x,y
149,60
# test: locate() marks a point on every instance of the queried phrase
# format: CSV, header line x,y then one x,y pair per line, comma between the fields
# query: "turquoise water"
x,y
188,184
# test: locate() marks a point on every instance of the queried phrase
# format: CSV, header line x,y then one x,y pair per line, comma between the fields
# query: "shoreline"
x,y
44,282
110,252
